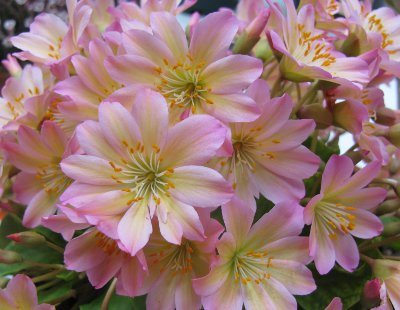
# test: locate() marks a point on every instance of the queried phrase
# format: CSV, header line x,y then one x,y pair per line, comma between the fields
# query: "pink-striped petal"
x,y
193,141
135,228
150,111
232,73
200,186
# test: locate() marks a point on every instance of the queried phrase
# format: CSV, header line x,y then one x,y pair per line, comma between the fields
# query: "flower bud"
x,y
394,134
251,34
388,206
27,238
391,229
322,117
9,257
371,294
386,116
12,66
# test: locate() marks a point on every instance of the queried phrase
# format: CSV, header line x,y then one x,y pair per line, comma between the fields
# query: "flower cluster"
x,y
200,167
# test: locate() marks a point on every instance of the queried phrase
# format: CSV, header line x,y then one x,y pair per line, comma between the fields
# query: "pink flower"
x,y
336,304
20,293
260,266
194,78
268,157
172,267
102,259
42,44
377,29
340,211
90,86
136,167
304,53
130,12
41,181
388,271
18,104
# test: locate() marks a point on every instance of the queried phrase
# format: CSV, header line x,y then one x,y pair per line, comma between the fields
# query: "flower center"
x,y
182,85
142,174
54,49
52,178
107,245
332,7
252,266
243,153
375,24
311,50
335,217
176,259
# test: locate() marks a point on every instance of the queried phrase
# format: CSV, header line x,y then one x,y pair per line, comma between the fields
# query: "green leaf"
x,y
263,206
56,292
9,225
40,253
323,150
51,236
117,302
338,283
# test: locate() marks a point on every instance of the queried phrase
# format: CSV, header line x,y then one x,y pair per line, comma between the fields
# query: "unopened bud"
x,y
384,268
371,294
386,116
9,257
391,229
394,135
388,206
322,117
12,66
251,34
27,238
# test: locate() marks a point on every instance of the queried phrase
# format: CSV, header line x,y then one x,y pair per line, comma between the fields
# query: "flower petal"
x,y
232,73
141,43
200,186
131,69
166,27
23,292
338,169
367,224
284,220
41,205
232,107
346,251
212,36
238,218
193,141
119,127
88,169
150,111
135,228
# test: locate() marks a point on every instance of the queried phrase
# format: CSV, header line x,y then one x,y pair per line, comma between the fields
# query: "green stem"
x,y
391,257
44,265
377,244
110,292
276,88
308,96
367,259
69,294
46,276
48,284
55,247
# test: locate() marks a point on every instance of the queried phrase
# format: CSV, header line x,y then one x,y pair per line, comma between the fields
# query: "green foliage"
x,y
263,206
323,150
9,225
117,303
41,253
338,283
